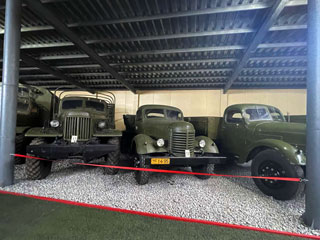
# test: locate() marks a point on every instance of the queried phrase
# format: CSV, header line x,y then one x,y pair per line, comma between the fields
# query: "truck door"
x,y
233,133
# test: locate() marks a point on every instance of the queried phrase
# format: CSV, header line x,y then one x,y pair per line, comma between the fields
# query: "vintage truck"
x,y
260,133
82,126
33,109
159,137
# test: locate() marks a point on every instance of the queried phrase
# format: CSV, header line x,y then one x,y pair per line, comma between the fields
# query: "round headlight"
x,y
202,143
54,123
102,124
160,142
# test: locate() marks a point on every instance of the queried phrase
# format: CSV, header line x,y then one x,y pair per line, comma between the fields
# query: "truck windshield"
x,y
95,105
257,114
174,115
154,113
71,104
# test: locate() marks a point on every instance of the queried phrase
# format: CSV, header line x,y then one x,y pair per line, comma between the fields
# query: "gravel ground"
x,y
229,200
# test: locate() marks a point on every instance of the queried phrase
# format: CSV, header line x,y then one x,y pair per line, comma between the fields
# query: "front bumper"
x,y
56,151
200,160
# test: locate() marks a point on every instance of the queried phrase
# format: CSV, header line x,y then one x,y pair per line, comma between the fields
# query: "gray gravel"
x,y
228,200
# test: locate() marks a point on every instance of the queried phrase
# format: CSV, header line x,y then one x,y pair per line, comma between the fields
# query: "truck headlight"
x,y
102,124
160,142
202,143
54,123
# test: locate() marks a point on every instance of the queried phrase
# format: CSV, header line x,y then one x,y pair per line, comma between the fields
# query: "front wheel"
x,y
113,158
201,169
142,177
270,163
37,169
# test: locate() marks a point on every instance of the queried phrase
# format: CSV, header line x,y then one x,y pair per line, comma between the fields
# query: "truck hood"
x,y
292,133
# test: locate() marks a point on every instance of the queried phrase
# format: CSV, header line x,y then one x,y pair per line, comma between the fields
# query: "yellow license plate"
x,y
160,160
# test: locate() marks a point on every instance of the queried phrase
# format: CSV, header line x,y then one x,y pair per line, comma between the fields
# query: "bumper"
x,y
55,151
188,161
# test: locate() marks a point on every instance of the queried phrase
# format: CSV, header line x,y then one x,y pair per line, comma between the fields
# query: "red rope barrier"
x,y
171,171
167,217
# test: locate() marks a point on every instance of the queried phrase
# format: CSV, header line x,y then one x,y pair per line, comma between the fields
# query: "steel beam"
x,y
165,36
312,212
8,103
45,68
46,14
271,16
177,50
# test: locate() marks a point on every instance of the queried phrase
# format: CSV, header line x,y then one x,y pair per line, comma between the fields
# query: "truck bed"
x,y
205,126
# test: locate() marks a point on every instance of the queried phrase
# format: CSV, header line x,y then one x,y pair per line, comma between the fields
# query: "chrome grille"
x,y
77,126
181,141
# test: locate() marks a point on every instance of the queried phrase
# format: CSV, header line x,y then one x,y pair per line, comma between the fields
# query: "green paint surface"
x,y
26,218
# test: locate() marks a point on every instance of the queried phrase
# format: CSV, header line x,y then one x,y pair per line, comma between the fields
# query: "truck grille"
x,y
77,126
181,141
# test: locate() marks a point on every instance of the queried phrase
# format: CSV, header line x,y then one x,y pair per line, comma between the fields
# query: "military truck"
x,y
82,126
260,133
33,109
161,138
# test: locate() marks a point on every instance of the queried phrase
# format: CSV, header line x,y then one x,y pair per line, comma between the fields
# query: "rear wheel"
x,y
201,169
142,177
20,149
270,163
113,158
37,169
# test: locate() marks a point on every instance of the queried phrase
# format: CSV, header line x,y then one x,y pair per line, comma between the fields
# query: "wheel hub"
x,y
271,169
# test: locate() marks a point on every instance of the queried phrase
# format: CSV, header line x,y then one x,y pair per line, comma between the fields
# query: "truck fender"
x,y
146,145
40,132
20,130
210,147
290,152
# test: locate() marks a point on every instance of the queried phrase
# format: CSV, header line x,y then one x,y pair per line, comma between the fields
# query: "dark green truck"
x,y
260,133
159,137
81,126
33,109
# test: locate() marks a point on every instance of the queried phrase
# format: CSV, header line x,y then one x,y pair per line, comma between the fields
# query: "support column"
x,y
312,213
10,79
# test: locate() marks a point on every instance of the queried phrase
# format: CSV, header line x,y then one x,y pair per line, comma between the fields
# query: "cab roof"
x,y
245,105
156,106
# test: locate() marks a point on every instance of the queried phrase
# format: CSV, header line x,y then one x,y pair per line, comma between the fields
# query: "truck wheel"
x,y
141,177
20,149
37,169
113,158
201,169
271,163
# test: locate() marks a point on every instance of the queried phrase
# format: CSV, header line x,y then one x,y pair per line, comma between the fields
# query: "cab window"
x,y
95,105
234,116
174,115
154,113
139,115
71,104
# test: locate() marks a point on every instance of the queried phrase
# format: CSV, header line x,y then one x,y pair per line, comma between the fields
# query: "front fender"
x,y
146,145
210,147
40,132
289,151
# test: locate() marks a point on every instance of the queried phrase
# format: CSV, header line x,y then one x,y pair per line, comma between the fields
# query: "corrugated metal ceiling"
x,y
167,44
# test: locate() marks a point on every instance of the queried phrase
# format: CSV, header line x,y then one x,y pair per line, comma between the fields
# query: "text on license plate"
x,y
160,160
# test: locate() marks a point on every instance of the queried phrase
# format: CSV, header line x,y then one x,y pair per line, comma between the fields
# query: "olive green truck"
x,y
159,137
261,134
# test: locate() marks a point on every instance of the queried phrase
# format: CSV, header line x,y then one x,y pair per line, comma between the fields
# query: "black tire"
x,y
142,177
20,149
113,158
37,169
271,163
201,169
